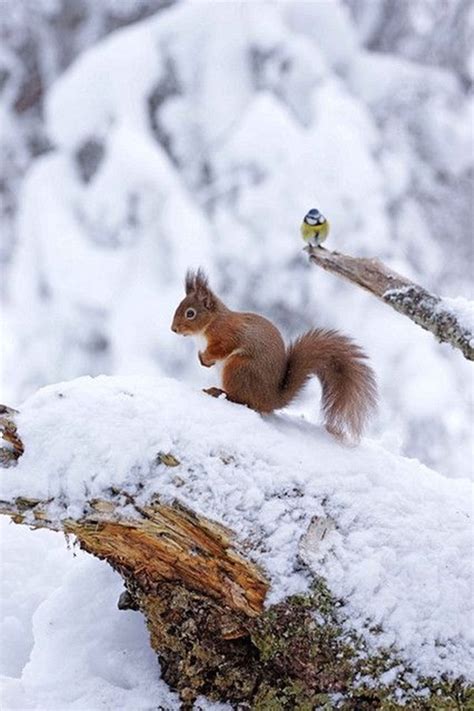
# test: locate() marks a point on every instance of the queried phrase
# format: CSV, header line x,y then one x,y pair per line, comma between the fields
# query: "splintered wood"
x,y
171,543
164,543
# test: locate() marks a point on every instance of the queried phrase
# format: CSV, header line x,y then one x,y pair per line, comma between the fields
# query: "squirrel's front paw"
x,y
206,363
214,392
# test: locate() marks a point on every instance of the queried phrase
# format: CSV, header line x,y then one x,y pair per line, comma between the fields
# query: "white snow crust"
x,y
399,555
462,309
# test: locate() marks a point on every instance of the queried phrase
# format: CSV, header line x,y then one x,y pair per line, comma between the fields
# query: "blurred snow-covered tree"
x,y
431,33
38,40
435,32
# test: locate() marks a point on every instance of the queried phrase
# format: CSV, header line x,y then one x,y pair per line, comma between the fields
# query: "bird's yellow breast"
x,y
318,231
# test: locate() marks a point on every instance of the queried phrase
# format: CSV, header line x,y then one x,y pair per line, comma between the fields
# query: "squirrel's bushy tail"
x,y
348,383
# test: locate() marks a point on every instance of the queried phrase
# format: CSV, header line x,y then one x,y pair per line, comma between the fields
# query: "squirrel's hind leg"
x,y
214,392
217,392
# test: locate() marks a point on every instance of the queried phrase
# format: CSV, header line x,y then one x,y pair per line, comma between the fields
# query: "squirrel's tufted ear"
x,y
190,282
197,283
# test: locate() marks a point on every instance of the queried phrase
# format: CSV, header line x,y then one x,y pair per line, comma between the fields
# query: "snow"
x,y
94,102
398,555
459,308
329,27
462,309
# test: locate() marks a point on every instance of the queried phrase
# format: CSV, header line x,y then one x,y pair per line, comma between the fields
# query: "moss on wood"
x,y
298,655
312,660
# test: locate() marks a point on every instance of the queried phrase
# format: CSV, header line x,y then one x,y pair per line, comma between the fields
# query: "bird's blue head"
x,y
314,217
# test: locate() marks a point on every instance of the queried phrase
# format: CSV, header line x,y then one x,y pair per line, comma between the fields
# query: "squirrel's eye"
x,y
190,313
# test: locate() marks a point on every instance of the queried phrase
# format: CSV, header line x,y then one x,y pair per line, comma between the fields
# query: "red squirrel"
x,y
260,372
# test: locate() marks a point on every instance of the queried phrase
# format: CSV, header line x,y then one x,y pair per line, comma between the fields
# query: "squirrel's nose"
x,y
174,329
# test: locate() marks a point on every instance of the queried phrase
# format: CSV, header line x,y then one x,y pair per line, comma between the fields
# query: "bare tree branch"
x,y
425,309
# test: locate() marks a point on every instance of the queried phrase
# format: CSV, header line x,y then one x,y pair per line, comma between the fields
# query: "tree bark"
x,y
9,455
425,309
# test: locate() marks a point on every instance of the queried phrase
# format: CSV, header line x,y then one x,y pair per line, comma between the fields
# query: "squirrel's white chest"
x,y
201,341
218,367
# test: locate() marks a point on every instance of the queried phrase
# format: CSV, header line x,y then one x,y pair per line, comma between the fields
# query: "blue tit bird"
x,y
314,228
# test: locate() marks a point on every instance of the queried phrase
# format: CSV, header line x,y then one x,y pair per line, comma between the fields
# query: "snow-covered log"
x,y
275,567
449,320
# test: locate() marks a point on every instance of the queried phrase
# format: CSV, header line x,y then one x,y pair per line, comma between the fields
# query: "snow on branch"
x,y
449,320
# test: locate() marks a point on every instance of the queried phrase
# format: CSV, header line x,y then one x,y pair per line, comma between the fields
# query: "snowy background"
x,y
140,137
